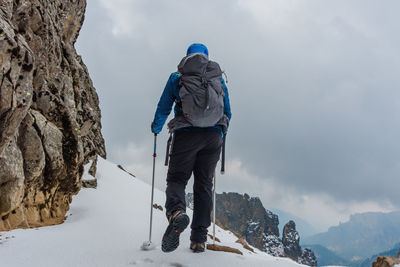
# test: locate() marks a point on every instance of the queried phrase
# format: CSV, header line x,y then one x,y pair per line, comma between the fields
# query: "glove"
x,y
152,129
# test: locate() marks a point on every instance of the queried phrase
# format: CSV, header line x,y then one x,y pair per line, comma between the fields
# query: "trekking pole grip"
x,y
223,155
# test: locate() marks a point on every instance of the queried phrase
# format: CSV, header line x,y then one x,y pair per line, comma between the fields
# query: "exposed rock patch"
x,y
291,241
292,248
247,218
89,183
387,261
122,168
224,249
308,258
49,111
273,246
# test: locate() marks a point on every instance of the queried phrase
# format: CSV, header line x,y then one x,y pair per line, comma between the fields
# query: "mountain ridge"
x,y
365,234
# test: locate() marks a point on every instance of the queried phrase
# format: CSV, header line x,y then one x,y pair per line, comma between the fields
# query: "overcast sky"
x,y
314,90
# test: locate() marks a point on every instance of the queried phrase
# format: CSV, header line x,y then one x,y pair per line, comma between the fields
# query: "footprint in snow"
x,y
172,264
146,260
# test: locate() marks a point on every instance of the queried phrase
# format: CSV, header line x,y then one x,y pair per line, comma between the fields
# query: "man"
x,y
202,114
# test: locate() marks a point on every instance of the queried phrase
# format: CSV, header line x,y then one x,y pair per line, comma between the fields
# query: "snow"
x,y
106,227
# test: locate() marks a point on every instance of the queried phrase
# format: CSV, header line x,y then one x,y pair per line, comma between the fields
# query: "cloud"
x,y
125,16
271,14
313,87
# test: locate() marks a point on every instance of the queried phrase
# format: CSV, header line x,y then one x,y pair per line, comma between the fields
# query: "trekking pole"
x,y
148,245
214,201
215,183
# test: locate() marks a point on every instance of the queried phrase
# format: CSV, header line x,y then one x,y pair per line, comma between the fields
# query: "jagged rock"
x,y
308,258
49,111
291,241
246,216
387,261
122,168
159,207
273,246
292,248
93,167
92,183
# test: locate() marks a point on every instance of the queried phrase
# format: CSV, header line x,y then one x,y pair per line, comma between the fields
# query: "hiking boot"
x,y
197,247
177,224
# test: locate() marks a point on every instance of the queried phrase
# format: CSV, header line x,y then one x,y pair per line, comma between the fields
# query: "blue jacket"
x,y
168,97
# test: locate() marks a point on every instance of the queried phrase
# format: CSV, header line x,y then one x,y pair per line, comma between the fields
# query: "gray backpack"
x,y
201,91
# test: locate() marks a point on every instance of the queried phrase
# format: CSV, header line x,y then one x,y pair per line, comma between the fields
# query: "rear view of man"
x,y
202,114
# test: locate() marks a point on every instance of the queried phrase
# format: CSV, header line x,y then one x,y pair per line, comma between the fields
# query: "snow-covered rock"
x,y
273,246
291,240
247,217
308,257
292,248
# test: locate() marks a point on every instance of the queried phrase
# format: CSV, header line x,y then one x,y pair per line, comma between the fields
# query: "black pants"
x,y
196,152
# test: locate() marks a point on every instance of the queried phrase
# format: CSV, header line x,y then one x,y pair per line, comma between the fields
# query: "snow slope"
x,y
106,227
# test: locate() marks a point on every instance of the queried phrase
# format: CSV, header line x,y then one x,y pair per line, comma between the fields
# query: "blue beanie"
x,y
197,48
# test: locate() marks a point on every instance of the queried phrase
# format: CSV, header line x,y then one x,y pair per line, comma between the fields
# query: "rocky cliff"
x,y
247,217
387,261
292,248
49,111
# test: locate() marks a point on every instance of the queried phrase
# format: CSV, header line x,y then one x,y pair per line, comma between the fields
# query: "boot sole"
x,y
170,239
197,250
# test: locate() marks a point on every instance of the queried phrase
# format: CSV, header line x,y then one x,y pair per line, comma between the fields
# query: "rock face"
x,y
273,246
387,261
247,217
291,240
308,258
292,248
49,111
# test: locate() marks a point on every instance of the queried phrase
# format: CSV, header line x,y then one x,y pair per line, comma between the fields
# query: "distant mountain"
x,y
363,235
393,252
326,256
304,228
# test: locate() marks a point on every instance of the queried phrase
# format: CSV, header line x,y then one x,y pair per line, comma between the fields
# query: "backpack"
x,y
201,90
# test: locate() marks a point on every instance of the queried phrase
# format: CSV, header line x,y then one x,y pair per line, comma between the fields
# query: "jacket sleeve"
x,y
165,103
227,105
